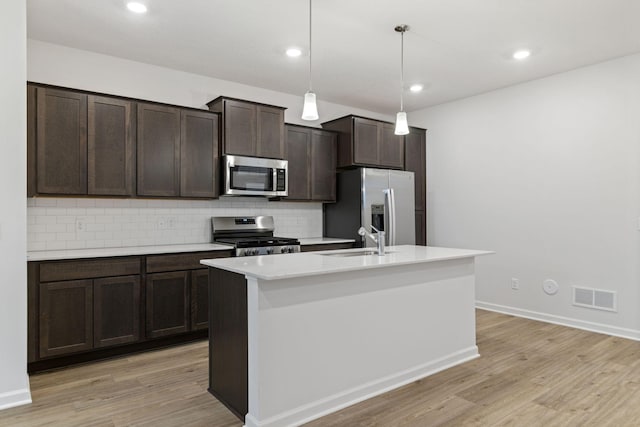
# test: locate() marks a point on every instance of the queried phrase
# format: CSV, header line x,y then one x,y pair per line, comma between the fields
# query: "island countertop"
x,y
285,266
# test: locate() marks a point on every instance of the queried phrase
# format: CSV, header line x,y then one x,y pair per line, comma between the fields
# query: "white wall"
x,y
52,221
14,383
547,174
63,66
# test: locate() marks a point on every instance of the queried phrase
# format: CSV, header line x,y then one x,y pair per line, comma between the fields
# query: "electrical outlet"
x,y
162,224
81,224
171,222
515,284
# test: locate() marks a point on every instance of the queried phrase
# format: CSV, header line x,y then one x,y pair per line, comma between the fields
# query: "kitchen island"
x,y
294,337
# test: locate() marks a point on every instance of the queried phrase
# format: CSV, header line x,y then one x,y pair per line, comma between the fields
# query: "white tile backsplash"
x,y
68,223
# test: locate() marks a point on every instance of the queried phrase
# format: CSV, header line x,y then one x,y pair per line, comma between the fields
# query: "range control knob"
x,y
283,250
269,251
290,249
253,252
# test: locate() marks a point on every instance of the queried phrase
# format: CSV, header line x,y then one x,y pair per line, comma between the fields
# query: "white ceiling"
x,y
457,48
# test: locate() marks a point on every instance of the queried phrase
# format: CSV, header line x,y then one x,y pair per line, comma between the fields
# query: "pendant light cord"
x,y
310,85
402,70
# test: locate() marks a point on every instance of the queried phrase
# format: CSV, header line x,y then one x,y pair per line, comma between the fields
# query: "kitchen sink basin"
x,y
354,253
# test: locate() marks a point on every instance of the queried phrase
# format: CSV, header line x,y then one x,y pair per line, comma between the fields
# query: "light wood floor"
x,y
529,374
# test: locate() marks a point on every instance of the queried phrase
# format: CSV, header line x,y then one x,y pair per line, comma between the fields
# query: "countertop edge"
x,y
89,253
469,254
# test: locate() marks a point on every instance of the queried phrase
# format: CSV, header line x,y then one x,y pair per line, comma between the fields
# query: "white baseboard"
x,y
600,328
14,398
320,408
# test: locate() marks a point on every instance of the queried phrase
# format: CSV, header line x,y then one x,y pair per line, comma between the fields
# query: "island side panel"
x,y
228,340
320,343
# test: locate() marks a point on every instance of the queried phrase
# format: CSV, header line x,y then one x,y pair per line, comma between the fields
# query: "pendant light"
x,y
310,109
402,127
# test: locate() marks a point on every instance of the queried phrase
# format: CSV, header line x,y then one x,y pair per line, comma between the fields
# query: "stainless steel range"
x,y
251,235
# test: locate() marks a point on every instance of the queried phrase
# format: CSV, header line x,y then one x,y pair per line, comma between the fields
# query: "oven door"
x,y
253,176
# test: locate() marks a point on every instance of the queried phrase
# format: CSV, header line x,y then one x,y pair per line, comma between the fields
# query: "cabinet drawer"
x,y
89,269
186,261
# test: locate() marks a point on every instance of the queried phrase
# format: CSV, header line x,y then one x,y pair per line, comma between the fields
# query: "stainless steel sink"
x,y
354,253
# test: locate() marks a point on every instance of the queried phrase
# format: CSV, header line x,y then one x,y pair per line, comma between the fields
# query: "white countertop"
x,y
274,267
123,251
152,250
323,241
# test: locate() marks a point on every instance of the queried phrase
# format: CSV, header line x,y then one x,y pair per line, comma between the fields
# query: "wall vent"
x,y
595,298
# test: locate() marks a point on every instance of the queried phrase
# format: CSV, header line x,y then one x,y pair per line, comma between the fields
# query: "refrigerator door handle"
x,y
390,203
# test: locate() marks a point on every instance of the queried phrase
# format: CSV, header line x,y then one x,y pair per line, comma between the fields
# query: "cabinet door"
x,y
200,299
298,155
421,228
61,142
31,141
111,140
270,128
240,134
199,154
66,317
323,165
391,147
167,303
365,141
158,150
116,310
415,161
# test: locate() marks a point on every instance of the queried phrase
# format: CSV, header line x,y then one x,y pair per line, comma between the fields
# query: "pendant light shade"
x,y
402,127
310,109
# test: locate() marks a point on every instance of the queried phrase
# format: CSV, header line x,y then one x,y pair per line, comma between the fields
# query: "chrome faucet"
x,y
379,239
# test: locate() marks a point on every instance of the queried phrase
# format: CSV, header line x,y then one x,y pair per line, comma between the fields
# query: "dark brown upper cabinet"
x,y
415,161
312,164
61,142
323,165
158,150
88,144
111,142
367,142
250,129
391,147
298,140
199,158
31,141
79,144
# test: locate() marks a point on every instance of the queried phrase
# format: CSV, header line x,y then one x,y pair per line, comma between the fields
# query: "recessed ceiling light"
x,y
416,88
294,52
521,54
136,7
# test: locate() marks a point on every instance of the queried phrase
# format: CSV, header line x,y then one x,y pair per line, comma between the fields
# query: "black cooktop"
x,y
255,242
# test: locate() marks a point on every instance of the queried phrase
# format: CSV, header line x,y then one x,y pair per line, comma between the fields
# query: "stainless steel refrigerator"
x,y
379,197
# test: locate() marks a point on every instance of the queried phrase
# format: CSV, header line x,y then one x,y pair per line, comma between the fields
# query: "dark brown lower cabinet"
x,y
228,343
116,310
86,309
167,303
66,317
421,228
200,299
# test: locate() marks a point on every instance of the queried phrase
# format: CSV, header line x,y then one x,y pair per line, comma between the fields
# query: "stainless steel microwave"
x,y
254,176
